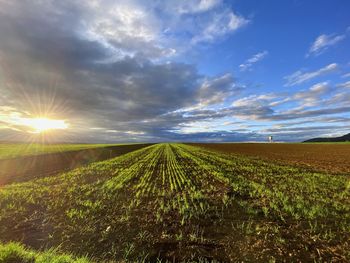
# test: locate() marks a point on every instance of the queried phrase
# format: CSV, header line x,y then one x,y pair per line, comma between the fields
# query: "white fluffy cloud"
x,y
218,25
136,26
194,6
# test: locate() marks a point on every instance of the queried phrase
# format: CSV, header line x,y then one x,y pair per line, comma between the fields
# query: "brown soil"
x,y
331,158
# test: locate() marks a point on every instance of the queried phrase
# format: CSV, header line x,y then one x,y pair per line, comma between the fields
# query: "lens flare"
x,y
40,125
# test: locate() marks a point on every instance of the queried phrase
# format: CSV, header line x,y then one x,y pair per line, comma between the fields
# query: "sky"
x,y
197,70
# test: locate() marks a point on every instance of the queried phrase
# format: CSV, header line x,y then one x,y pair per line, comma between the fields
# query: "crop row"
x,y
283,191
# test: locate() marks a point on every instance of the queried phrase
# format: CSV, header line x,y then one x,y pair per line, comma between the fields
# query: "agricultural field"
x,y
11,150
328,157
178,203
26,168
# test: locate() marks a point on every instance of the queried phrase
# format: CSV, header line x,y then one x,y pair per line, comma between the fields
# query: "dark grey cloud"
x,y
263,113
49,67
303,129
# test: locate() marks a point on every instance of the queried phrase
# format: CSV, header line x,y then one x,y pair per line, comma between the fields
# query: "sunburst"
x,y
40,125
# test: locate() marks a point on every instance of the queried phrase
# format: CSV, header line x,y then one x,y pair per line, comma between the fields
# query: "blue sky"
x,y
286,30
196,70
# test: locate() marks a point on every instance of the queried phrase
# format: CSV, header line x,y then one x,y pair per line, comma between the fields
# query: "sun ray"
x,y
40,125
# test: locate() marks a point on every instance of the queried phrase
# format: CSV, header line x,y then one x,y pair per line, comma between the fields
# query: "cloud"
x,y
300,76
251,61
85,36
254,100
297,114
312,96
193,7
217,90
319,100
303,129
107,68
306,98
81,68
341,99
313,120
323,42
347,75
344,85
130,27
218,25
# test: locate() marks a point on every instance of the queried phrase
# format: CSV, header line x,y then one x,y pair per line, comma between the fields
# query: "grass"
x,y
175,201
17,253
8,150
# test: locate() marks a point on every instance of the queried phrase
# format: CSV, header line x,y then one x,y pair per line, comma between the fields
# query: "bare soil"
x,y
331,158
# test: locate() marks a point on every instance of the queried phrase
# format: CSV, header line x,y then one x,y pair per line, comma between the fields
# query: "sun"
x,y
40,125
